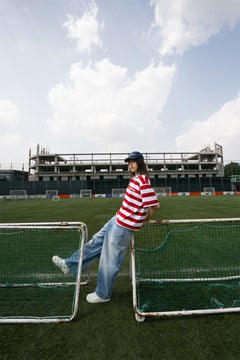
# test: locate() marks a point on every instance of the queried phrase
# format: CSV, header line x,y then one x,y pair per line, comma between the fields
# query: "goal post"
x,y
18,194
85,193
50,194
209,190
32,288
186,267
163,191
118,192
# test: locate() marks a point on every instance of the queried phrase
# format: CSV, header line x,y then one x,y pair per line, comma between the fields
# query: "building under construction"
x,y
102,172
44,166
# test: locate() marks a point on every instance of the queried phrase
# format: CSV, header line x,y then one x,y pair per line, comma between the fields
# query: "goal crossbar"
x,y
184,267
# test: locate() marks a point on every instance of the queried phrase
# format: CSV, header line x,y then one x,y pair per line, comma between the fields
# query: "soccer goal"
x,y
186,267
18,194
163,191
209,190
51,194
32,288
85,193
118,192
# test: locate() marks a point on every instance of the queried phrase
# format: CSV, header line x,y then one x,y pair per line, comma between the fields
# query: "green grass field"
x,y
109,330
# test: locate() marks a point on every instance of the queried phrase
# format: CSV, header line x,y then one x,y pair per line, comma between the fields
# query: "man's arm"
x,y
150,214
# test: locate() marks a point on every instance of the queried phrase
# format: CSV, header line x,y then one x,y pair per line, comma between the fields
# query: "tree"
x,y
233,168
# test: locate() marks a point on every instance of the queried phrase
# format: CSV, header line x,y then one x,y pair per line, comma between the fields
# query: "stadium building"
x,y
101,173
44,166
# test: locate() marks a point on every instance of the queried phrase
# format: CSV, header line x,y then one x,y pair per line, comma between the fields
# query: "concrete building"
x,y
46,166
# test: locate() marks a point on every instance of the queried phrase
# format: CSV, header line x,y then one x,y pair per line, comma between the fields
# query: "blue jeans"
x,y
109,245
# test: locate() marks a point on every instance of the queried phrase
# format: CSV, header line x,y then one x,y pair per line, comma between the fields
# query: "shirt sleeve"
x,y
148,195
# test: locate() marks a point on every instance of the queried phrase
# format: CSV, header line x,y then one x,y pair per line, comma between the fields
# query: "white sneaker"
x,y
94,298
59,262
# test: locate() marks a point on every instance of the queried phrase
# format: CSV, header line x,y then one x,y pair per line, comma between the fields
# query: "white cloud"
x,y
222,127
12,148
109,109
11,142
84,30
183,24
9,113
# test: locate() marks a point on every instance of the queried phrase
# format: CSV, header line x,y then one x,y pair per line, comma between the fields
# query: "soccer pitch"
x,y
110,331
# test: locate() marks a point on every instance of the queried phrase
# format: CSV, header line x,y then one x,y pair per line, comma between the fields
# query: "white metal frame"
x,y
56,225
18,194
163,191
140,316
209,190
118,192
62,223
51,192
89,191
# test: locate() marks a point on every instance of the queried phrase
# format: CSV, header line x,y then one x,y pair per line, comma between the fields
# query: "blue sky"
x,y
115,76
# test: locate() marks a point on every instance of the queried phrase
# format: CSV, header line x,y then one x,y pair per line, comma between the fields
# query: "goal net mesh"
x,y
31,286
86,193
163,191
210,190
51,193
187,266
18,194
118,192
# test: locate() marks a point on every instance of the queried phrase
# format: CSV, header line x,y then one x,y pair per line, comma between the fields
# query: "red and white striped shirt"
x,y
138,198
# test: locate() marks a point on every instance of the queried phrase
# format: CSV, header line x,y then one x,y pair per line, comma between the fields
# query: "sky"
x,y
80,76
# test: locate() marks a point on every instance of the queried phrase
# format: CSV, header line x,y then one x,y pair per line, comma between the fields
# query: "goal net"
x,y
32,288
86,193
163,191
118,192
209,190
182,267
50,194
18,194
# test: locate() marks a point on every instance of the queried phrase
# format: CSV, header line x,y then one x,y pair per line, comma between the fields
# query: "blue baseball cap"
x,y
134,155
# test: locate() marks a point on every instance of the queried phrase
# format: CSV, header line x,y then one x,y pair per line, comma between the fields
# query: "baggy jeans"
x,y
109,245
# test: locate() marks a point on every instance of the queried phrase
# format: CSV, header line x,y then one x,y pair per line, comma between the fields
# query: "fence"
x,y
104,185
